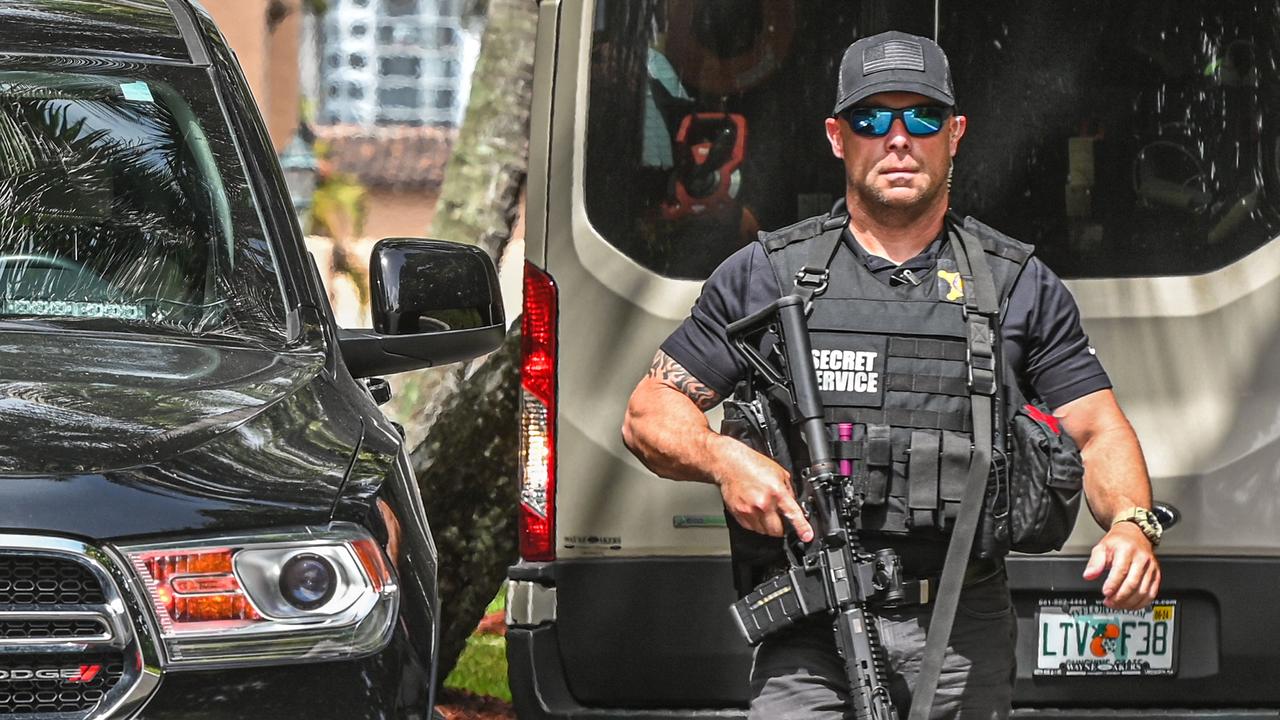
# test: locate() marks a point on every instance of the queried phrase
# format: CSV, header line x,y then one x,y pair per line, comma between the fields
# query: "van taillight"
x,y
538,416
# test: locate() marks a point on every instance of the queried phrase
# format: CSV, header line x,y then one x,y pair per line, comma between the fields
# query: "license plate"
x,y
1083,637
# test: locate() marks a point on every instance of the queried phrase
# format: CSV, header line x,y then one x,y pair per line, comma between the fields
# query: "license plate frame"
x,y
1070,632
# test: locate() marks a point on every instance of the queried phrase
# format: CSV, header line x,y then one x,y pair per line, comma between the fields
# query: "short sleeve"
x,y
741,285
1053,357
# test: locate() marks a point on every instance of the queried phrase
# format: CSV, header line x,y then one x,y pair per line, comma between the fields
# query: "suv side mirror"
x,y
434,303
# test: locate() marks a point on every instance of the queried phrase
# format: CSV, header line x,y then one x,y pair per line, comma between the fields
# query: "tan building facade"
x,y
265,35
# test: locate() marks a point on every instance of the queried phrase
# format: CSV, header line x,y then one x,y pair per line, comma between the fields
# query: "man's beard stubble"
x,y
873,198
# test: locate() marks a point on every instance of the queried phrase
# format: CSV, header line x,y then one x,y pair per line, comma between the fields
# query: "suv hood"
x,y
107,436
73,403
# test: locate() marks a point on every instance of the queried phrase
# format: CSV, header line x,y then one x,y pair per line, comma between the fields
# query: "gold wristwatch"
x,y
1145,520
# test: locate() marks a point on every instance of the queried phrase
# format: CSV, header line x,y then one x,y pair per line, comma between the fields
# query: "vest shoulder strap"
x,y
1006,256
798,264
995,242
798,232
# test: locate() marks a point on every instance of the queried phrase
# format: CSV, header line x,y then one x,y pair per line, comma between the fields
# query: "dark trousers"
x,y
798,673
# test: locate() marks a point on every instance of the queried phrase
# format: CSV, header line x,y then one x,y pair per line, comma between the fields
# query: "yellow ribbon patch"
x,y
952,279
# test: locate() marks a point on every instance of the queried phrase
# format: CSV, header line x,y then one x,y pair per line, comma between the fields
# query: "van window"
x,y
1122,140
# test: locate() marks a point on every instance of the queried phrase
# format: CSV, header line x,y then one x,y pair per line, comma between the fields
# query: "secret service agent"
x,y
896,129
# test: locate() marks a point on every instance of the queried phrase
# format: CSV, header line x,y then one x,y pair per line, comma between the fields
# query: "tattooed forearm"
x,y
672,373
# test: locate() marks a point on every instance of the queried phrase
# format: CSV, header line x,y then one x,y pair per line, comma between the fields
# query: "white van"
x,y
1135,144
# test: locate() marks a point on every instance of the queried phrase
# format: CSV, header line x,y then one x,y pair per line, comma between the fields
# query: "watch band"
x,y
1146,521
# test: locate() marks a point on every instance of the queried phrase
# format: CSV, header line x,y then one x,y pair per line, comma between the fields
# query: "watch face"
x,y
1151,517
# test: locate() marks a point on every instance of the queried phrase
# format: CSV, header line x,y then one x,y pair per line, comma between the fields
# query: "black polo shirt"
x,y
1043,341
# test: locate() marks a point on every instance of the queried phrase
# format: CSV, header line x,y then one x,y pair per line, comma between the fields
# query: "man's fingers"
x,y
790,509
1127,596
772,525
1098,561
1120,560
1150,587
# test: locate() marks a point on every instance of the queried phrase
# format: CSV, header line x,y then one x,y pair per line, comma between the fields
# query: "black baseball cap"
x,y
894,61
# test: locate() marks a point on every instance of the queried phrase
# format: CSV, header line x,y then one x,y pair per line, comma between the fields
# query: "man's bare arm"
x,y
665,426
1115,476
671,373
1115,479
666,429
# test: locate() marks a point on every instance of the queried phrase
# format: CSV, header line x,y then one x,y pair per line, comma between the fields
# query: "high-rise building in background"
x,y
393,62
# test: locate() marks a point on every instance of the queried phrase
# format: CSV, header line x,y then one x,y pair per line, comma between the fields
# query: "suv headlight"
x,y
310,594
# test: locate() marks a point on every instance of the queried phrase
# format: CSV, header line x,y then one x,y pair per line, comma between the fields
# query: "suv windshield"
x,y
126,208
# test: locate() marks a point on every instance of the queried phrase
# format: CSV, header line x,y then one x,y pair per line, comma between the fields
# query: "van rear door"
x,y
1134,145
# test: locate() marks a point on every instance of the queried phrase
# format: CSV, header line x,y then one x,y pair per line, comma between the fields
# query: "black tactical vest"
x,y
893,371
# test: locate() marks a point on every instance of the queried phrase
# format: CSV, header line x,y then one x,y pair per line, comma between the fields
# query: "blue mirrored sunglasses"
x,y
875,121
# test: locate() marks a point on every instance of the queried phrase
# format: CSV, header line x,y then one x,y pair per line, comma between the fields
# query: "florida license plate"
x,y
1083,637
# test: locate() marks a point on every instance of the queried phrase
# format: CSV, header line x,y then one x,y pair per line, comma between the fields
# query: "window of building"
x,y
400,66
399,8
404,97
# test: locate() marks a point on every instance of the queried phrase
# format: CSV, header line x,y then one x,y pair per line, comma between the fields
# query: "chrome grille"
x,y
23,690
46,580
51,626
68,648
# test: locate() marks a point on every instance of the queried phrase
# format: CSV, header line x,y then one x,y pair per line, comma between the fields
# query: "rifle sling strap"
x,y
981,313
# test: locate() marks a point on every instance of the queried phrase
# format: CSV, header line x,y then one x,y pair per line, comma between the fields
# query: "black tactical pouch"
x,y
1046,479
1033,496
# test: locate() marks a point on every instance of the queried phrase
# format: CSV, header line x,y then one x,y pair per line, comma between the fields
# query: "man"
x,y
896,129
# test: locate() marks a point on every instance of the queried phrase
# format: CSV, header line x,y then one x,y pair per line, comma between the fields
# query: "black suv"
x,y
203,514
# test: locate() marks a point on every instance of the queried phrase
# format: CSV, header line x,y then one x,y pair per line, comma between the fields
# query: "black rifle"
x,y
831,574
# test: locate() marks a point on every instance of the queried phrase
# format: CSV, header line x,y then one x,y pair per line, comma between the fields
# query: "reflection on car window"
x,y
1121,139
125,205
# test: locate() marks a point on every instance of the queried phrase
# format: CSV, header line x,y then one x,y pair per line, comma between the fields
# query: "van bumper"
x,y
1226,605
539,690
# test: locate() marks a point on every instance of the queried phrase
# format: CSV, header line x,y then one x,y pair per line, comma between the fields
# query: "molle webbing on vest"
x,y
901,417
926,349
931,384
886,316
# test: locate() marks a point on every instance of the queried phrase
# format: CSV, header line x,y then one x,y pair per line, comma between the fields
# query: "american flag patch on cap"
x,y
893,55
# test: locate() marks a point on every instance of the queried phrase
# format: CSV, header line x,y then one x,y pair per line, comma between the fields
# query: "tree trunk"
x,y
467,472
480,198
466,463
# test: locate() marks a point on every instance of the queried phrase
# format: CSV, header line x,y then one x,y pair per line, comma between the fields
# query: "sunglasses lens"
x,y
870,121
924,120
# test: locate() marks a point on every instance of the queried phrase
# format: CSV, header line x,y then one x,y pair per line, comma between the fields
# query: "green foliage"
x,y
338,207
482,668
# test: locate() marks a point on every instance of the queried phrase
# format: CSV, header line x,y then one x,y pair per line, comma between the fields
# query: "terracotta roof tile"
x,y
388,156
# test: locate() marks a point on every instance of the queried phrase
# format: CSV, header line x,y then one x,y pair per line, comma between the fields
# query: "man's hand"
x,y
666,429
757,491
1135,573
